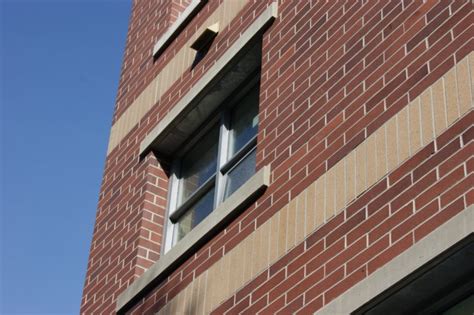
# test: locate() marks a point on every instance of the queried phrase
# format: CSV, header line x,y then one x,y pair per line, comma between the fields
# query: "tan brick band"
x,y
419,123
181,62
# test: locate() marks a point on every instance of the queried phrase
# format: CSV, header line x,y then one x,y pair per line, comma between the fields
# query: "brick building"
x,y
289,156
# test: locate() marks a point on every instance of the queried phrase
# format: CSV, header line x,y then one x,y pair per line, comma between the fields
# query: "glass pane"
x,y
198,164
463,307
241,173
194,215
244,121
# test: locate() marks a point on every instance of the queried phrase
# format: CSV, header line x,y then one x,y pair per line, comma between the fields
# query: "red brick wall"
x,y
332,73
426,191
148,21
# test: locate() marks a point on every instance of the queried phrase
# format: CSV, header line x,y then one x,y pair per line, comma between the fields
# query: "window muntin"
x,y
216,164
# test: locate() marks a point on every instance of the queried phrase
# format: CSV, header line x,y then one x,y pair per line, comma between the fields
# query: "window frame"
x,y
224,162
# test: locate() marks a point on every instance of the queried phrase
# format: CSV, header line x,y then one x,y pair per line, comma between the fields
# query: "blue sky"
x,y
60,64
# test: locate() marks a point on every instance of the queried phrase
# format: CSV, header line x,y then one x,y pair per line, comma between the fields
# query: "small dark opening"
x,y
200,54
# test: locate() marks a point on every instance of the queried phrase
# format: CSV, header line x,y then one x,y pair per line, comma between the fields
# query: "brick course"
x,y
338,78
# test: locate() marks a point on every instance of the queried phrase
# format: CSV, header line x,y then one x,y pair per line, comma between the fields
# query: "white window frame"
x,y
225,162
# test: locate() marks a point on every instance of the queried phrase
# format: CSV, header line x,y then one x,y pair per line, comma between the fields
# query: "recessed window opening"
x,y
215,162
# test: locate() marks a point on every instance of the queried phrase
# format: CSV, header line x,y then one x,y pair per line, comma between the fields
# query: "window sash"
x,y
184,193
239,155
225,164
193,198
230,180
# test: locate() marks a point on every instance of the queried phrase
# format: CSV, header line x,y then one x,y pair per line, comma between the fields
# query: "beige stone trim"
x,y
435,243
317,203
169,75
224,212
269,14
170,33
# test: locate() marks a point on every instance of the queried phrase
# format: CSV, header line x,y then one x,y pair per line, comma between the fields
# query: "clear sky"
x,y
60,64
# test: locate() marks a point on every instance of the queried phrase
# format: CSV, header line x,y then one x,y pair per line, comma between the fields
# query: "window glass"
x,y
195,214
199,164
199,190
465,306
240,173
243,121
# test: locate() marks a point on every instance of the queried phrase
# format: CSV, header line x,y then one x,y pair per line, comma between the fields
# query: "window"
x,y
179,131
212,165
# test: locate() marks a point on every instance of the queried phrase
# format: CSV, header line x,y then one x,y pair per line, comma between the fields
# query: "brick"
x,y
332,76
457,190
283,262
345,284
223,307
387,114
469,197
450,49
315,250
292,307
428,29
268,285
434,191
345,227
274,306
439,219
448,25
325,256
389,194
390,223
367,196
411,163
348,147
414,191
251,286
239,307
324,230
431,78
292,281
346,254
367,225
365,255
387,255
468,135
312,306
436,159
257,306
322,286
415,220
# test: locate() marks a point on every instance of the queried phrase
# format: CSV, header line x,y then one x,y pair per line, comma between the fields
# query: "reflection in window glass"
x,y
198,190
199,164
243,121
241,173
465,306
195,214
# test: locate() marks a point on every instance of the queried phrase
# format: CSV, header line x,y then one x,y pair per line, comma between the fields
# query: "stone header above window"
x,y
210,90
